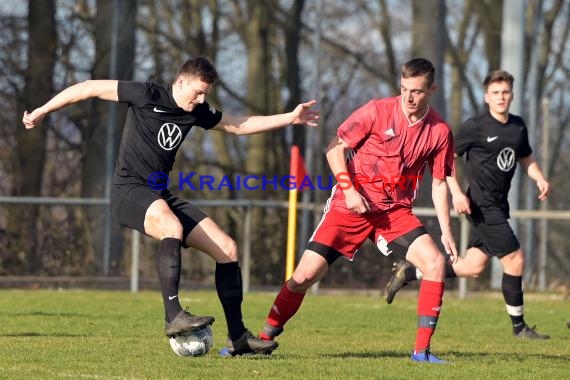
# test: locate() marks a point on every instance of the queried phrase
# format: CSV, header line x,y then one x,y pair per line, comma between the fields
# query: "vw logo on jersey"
x,y
506,159
169,136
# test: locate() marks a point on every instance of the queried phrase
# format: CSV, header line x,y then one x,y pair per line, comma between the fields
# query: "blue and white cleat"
x,y
426,356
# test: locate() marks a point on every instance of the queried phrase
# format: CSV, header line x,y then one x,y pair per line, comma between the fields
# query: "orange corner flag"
x,y
297,168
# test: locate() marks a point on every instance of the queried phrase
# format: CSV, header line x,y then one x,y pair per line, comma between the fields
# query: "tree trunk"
x,y
24,252
258,84
260,150
490,14
292,30
106,117
428,36
428,41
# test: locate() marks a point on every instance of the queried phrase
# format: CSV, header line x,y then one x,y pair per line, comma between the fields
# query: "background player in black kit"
x,y
492,143
158,119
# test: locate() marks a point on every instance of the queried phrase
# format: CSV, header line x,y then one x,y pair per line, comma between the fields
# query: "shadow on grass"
x,y
42,313
39,334
369,354
464,355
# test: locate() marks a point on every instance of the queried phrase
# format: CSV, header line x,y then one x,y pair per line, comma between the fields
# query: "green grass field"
x,y
77,334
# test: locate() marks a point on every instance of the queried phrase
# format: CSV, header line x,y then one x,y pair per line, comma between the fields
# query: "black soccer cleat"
x,y
531,333
248,344
184,322
397,281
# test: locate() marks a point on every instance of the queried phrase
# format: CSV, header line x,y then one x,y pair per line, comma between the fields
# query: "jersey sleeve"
x,y
136,93
465,137
358,125
207,116
442,164
524,149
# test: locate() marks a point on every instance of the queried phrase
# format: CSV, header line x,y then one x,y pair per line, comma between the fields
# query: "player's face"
x,y
415,95
192,91
499,96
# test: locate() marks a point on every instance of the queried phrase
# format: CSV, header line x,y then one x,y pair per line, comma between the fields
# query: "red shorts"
x,y
346,232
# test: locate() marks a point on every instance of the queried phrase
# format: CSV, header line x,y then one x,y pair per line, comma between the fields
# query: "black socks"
x,y
230,293
168,267
513,295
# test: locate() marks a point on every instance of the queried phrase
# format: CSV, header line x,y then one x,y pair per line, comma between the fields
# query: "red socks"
x,y
430,300
284,307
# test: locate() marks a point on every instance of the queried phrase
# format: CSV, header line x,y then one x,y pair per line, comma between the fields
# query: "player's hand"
x,y
303,114
355,202
461,204
543,189
34,118
450,247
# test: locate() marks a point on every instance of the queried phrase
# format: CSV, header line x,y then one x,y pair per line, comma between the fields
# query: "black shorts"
x,y
497,239
129,203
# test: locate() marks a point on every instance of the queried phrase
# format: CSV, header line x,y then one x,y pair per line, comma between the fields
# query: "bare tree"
x,y
428,41
31,148
114,32
490,15
458,53
264,51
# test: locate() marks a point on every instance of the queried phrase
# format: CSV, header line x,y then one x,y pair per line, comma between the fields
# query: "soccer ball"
x,y
193,343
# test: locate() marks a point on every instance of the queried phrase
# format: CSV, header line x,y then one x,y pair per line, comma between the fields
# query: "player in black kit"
x,y
492,144
158,119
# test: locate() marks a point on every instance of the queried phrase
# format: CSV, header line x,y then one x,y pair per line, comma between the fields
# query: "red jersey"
x,y
390,153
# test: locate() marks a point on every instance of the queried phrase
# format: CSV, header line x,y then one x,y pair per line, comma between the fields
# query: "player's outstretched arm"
x,y
103,89
248,125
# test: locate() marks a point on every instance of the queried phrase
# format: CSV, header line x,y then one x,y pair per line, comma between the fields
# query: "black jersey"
x,y
491,151
154,130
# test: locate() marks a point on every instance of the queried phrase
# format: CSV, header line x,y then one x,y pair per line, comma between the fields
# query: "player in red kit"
x,y
492,144
390,141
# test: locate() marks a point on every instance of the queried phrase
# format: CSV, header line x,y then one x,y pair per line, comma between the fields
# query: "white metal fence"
x,y
542,215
